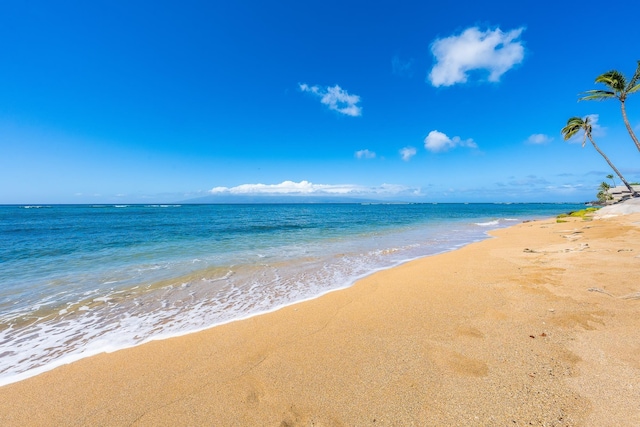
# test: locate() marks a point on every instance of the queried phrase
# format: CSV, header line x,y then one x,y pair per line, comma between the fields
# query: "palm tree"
x,y
603,195
610,176
618,88
577,124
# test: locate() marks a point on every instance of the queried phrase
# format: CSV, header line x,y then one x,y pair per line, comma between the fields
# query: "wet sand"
x,y
538,326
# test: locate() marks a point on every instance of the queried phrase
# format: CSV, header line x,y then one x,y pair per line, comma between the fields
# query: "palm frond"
x,y
568,132
633,83
614,79
597,95
574,124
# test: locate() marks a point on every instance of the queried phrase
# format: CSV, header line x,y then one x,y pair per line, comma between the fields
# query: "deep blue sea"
x,y
80,280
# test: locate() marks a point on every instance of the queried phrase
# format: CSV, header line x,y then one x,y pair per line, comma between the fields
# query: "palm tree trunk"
x,y
626,122
633,192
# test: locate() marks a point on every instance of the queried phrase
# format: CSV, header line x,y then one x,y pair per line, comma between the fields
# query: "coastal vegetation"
x,y
578,124
603,195
618,88
585,214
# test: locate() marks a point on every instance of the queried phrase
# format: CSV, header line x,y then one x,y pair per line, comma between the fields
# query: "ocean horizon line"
x,y
367,202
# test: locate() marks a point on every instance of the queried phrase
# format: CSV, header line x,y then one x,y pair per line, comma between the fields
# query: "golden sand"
x,y
539,326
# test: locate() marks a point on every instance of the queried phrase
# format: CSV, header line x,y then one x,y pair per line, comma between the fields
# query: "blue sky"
x,y
136,102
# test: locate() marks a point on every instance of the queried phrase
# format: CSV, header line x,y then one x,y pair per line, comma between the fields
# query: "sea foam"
x,y
79,281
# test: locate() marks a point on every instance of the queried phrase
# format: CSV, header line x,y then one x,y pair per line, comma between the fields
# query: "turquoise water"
x,y
80,280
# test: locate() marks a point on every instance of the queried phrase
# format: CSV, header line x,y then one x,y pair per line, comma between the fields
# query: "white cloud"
x,y
539,138
438,142
491,50
564,188
407,153
336,99
307,188
596,129
365,154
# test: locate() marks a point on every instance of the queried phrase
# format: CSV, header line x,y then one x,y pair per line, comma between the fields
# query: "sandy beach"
x,y
537,326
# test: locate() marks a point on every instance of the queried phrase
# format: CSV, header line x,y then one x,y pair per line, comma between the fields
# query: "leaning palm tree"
x,y
577,124
618,88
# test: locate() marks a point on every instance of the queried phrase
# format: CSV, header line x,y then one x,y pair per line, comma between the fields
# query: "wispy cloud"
x,y
529,181
336,98
365,154
539,139
438,142
533,187
407,153
537,184
492,50
307,188
564,188
402,68
630,171
598,173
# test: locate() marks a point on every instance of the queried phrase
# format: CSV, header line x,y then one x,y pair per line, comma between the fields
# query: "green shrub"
x,y
583,213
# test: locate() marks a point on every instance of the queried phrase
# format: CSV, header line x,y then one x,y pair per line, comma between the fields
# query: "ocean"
x,y
79,280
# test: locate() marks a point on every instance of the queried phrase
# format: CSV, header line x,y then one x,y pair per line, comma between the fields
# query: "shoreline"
x,y
431,341
75,357
110,348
